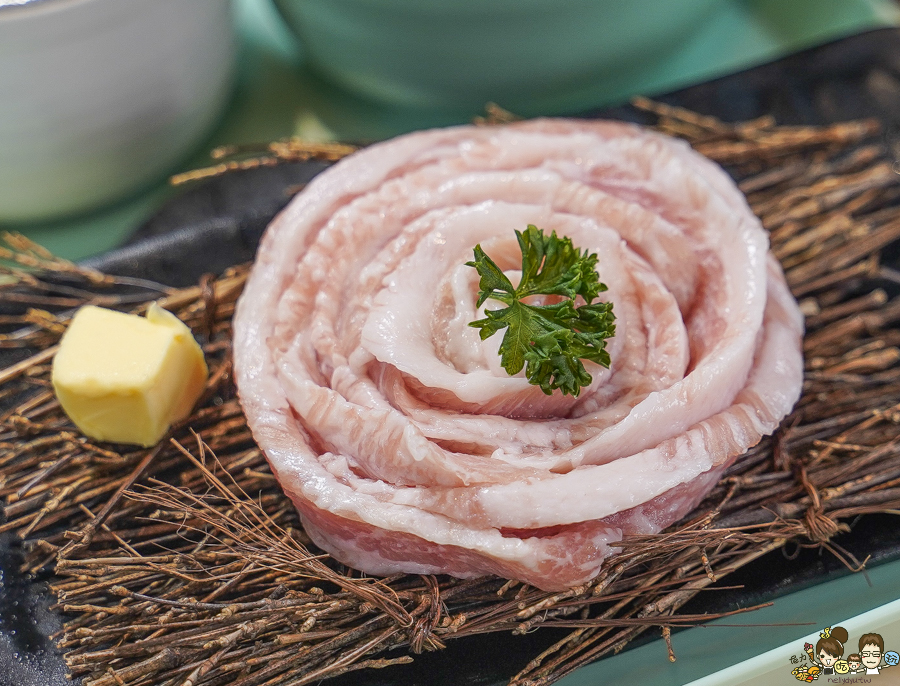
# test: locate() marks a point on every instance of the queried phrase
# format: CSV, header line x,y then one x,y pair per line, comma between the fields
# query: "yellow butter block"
x,y
125,378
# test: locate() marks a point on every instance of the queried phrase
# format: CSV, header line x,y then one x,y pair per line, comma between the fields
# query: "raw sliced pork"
x,y
392,426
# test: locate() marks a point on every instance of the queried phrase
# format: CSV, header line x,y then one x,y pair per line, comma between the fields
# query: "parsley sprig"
x,y
548,340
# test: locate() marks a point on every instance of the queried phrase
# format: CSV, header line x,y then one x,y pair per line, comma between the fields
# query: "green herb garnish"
x,y
548,340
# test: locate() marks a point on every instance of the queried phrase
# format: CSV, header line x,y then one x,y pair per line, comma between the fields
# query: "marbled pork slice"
x,y
392,427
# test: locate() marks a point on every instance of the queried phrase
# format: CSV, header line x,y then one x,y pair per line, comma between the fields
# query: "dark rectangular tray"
x,y
218,224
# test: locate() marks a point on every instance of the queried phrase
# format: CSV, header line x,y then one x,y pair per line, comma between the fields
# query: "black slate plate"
x,y
217,224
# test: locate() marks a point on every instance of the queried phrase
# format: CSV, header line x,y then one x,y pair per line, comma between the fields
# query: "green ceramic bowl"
x,y
530,56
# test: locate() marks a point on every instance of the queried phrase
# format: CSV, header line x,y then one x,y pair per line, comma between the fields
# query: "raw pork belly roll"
x,y
390,423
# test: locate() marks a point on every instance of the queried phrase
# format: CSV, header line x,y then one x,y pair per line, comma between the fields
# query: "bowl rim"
x,y
18,9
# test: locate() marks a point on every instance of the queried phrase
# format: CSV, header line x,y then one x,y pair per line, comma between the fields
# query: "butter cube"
x,y
124,378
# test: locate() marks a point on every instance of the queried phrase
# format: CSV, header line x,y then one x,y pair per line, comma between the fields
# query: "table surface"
x,y
276,96
701,651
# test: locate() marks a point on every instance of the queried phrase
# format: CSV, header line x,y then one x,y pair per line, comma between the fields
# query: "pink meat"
x,y
391,425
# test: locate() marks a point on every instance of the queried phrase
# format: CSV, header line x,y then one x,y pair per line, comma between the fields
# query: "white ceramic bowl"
x,y
101,97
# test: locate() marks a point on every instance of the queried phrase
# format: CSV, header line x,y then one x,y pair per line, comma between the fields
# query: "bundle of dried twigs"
x,y
185,565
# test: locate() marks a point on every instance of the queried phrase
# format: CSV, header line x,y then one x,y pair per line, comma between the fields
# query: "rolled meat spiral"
x,y
390,423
